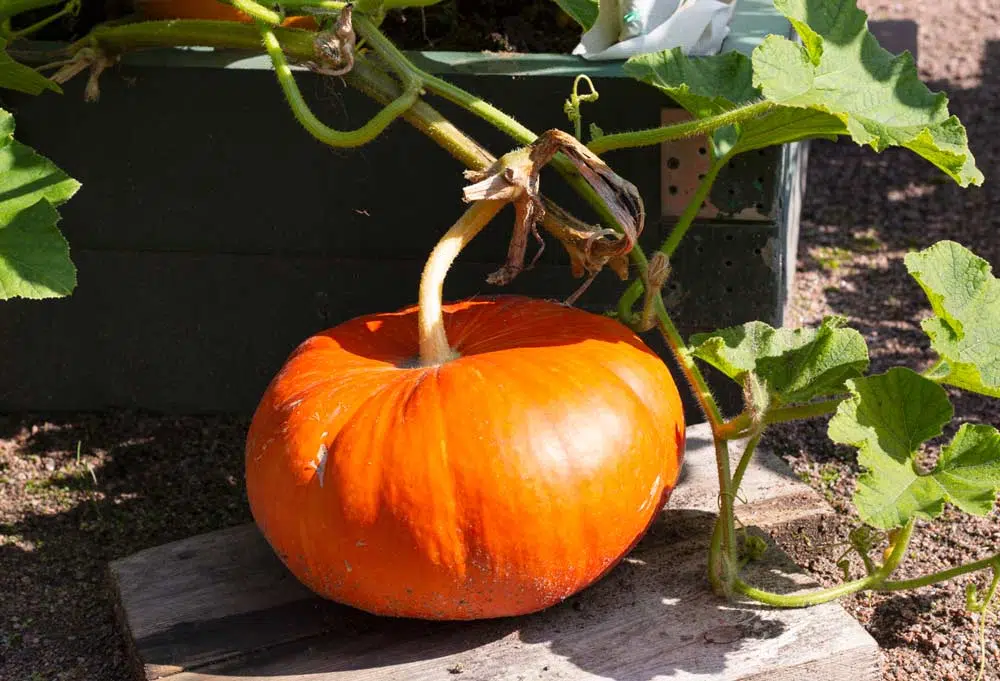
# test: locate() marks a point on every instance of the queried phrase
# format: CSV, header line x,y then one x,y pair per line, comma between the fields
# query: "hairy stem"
x,y
193,32
744,462
257,11
476,105
739,426
365,76
11,8
722,552
677,234
941,575
378,85
693,207
304,115
817,596
71,7
701,126
434,347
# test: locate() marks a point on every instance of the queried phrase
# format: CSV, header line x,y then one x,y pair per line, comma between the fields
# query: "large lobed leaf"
x,y
888,417
838,82
794,365
34,256
965,331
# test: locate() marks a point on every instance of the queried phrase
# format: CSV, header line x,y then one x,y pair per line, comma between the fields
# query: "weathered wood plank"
x,y
221,605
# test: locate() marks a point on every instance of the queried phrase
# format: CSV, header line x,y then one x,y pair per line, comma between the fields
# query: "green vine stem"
x,y
740,425
817,596
257,11
745,459
983,608
11,8
481,108
576,100
673,240
304,115
942,575
700,126
71,7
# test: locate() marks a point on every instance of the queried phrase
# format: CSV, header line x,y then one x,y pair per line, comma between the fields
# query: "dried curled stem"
x,y
515,178
335,49
95,60
657,273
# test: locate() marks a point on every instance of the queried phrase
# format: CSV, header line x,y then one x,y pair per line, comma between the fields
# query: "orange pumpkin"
x,y
209,10
496,483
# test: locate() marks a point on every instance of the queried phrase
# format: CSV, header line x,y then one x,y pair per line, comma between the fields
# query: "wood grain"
x,y
221,606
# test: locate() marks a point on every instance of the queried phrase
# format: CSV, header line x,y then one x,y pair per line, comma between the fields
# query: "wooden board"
x,y
221,606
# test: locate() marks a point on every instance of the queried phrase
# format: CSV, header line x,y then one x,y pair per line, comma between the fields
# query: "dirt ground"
x,y
77,490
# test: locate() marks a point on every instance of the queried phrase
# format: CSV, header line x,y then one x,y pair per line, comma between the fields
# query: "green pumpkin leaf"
x,y
26,176
965,331
583,12
703,86
888,417
15,76
34,256
838,82
794,365
969,468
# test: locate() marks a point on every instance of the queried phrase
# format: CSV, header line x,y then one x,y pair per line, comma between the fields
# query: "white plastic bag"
x,y
628,27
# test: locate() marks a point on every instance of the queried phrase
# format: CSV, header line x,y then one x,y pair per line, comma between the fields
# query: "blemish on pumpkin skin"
x,y
348,566
319,463
652,495
361,544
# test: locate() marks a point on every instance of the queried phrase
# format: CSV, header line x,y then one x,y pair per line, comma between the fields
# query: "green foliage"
x,y
888,418
838,82
965,328
15,76
34,256
583,12
794,365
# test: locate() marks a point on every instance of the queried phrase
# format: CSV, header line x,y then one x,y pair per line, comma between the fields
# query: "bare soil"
x,y
78,490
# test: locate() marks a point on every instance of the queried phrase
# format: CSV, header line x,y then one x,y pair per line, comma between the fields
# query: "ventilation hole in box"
x,y
728,263
701,176
760,179
759,207
731,191
729,289
673,163
758,250
730,237
702,150
699,249
672,189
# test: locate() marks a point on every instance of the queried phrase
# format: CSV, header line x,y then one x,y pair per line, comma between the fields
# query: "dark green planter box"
x,y
212,234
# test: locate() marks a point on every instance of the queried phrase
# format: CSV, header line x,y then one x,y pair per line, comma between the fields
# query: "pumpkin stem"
x,y
434,347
